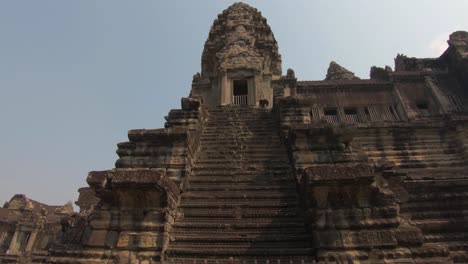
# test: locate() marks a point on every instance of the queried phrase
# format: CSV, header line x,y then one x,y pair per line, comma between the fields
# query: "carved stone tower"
x,y
239,61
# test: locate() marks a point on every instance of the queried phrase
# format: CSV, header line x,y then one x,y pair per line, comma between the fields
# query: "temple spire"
x,y
338,72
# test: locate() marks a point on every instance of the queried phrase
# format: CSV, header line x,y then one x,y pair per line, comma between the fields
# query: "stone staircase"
x,y
412,149
434,162
242,205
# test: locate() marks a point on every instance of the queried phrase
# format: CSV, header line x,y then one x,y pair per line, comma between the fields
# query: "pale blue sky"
x,y
75,76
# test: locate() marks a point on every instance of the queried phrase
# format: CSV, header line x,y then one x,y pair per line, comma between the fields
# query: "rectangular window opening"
x,y
240,87
351,115
240,91
330,112
350,111
331,115
422,106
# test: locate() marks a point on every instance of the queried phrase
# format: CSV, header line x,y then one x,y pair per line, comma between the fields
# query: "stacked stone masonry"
x,y
260,167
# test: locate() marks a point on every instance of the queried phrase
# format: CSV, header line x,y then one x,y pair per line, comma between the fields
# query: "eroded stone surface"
x,y
338,72
272,169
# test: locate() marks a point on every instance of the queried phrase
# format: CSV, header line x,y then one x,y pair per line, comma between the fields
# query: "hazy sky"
x,y
75,76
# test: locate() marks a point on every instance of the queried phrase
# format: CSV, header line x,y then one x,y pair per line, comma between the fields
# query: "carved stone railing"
x,y
240,100
351,119
333,119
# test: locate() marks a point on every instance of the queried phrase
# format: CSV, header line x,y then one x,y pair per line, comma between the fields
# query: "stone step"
x,y
457,246
211,157
242,260
250,195
255,149
257,178
216,249
403,135
239,115
283,203
444,173
240,120
434,151
408,137
439,214
240,148
194,187
412,164
231,132
446,237
234,129
422,206
243,141
446,224
241,158
242,165
235,213
235,238
246,119
233,224
242,192
244,112
246,179
422,159
236,132
238,108
231,126
447,195
232,135
250,152
239,232
403,141
410,146
238,173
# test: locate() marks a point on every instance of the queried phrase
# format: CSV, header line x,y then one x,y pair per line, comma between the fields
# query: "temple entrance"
x,y
240,92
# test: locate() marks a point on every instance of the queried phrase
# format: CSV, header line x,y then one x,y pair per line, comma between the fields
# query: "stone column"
x,y
253,85
226,93
439,98
14,241
32,240
402,107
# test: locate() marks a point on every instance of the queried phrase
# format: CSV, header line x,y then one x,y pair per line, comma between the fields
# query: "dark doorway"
x,y
240,92
240,87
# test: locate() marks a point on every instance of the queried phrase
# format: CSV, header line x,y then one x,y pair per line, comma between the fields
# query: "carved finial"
x,y
290,74
337,72
196,77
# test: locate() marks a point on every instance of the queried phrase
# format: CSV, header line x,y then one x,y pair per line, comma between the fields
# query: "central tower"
x,y
239,61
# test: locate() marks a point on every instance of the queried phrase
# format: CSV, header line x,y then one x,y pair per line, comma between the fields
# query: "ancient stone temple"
x,y
260,167
29,228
